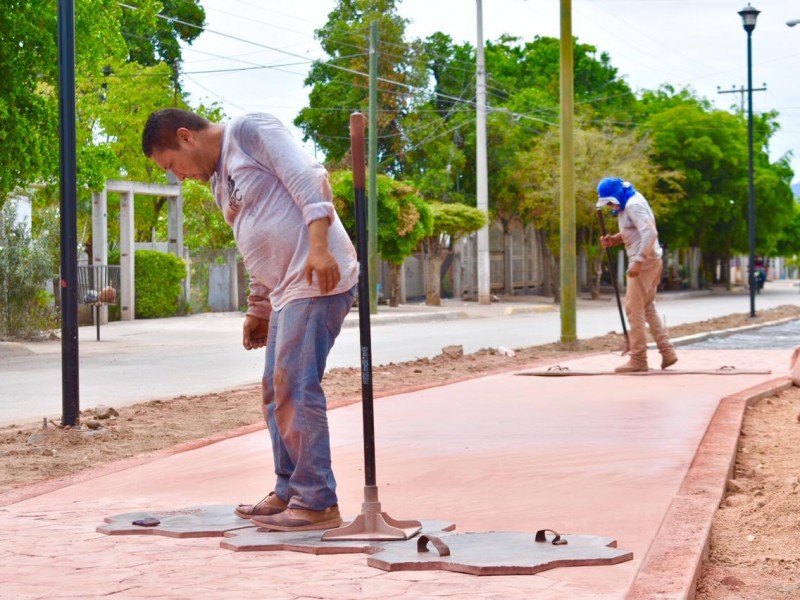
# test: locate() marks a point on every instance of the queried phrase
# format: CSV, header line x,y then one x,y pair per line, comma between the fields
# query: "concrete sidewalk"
x,y
642,460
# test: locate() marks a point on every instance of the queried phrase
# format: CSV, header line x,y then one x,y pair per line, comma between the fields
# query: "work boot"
x,y
668,358
634,365
301,519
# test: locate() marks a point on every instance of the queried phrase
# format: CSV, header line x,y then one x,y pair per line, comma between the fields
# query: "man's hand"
x,y
255,332
608,241
634,269
321,261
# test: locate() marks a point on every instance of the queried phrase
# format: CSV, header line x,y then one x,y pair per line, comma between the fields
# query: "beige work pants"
x,y
640,307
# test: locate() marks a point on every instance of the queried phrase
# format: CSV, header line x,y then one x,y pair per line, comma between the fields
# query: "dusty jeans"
x,y
640,307
301,335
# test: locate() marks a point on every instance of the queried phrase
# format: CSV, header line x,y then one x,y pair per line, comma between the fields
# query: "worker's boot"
x,y
668,358
634,365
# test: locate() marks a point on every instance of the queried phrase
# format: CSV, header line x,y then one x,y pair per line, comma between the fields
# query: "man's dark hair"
x,y
160,131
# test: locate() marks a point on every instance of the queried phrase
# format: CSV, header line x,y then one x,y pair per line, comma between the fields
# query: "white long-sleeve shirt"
x,y
637,224
269,189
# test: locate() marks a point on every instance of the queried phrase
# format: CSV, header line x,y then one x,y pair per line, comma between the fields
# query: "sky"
x,y
255,54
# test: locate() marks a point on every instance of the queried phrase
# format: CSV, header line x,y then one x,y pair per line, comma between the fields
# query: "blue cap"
x,y
613,190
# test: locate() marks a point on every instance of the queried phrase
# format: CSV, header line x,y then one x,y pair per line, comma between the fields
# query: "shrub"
x,y
158,280
24,268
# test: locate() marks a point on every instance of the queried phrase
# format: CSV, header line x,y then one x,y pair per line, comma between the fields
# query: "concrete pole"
x,y
568,277
100,238
372,201
482,169
126,257
175,228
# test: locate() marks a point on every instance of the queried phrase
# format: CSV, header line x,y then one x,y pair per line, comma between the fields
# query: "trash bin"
x,y
98,285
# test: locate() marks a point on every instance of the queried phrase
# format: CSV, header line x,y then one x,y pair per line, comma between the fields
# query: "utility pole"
x,y
568,261
372,205
484,281
741,90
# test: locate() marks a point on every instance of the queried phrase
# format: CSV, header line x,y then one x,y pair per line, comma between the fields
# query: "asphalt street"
x,y
161,358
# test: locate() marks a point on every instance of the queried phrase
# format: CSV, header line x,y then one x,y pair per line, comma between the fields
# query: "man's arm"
x,y
611,240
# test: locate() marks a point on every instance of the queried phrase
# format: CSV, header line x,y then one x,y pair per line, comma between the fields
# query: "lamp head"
x,y
793,22
749,15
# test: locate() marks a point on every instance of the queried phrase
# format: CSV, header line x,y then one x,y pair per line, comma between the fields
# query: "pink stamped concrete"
x,y
605,456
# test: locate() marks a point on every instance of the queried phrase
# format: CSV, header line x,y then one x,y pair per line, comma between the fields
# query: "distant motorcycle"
x,y
760,277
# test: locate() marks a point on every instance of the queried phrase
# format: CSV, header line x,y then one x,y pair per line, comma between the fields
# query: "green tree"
x,y
107,92
451,222
404,219
709,148
435,157
518,67
28,88
154,39
340,86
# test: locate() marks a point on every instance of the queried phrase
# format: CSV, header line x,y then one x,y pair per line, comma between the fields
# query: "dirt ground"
x,y
755,543
755,538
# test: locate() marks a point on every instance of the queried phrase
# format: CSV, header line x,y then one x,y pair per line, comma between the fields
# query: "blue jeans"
x,y
301,335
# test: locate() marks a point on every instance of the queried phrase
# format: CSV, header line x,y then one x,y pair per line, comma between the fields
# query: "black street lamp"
x,y
749,16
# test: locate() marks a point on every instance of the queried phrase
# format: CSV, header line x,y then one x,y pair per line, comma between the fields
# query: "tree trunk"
x,y
508,260
433,295
555,277
544,254
394,284
726,268
694,268
597,266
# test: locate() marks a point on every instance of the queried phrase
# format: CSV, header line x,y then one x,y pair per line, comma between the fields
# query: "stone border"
x,y
673,562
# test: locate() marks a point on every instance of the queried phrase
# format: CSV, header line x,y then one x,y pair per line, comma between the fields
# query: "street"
x,y
162,358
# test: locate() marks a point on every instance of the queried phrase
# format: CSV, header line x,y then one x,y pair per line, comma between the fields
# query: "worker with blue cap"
x,y
637,230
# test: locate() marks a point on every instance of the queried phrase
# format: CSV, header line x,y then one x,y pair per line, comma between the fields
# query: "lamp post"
x,y
749,16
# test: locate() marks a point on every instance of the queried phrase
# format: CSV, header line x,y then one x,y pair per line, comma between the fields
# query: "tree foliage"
x,y
403,217
340,85
29,86
152,39
709,149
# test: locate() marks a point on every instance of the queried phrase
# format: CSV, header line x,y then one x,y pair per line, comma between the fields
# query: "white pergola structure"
x,y
127,190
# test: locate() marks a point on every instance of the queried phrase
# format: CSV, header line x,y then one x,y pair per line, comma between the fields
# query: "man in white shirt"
x,y
637,230
303,272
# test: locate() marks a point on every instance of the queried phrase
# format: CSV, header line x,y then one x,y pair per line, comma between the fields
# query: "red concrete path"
x,y
595,455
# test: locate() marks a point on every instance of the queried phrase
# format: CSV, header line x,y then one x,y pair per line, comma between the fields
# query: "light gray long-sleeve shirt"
x,y
637,224
269,189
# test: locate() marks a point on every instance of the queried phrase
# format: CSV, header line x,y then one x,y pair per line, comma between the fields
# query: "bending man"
x,y
637,230
303,272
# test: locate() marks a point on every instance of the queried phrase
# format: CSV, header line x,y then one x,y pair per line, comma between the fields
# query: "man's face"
x,y
187,161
